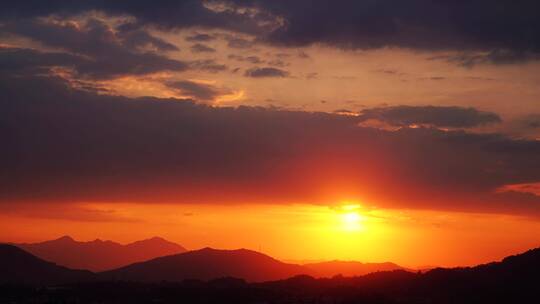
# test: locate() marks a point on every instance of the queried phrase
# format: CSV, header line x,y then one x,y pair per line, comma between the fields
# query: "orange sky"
x,y
293,232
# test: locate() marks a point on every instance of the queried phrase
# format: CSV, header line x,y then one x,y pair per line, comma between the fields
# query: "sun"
x,y
351,218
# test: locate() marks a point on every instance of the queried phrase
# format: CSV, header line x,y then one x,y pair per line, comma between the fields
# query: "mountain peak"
x,y
207,249
157,238
229,251
156,242
66,238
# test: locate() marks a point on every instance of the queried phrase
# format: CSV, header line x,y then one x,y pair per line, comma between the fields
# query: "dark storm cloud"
x,y
533,122
497,57
209,65
96,50
278,63
265,72
250,59
500,25
197,91
139,38
527,126
17,60
201,48
200,38
64,145
165,14
239,43
508,30
530,121
90,37
436,116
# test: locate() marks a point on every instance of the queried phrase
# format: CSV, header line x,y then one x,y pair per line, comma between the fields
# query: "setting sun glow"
x,y
351,219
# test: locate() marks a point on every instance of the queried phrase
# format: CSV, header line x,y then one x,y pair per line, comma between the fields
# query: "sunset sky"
x,y
369,130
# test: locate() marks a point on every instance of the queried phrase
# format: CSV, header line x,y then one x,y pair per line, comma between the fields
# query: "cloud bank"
x,y
442,116
495,31
66,145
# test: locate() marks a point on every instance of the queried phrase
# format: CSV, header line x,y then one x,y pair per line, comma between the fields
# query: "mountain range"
x,y
252,266
204,264
100,255
142,259
513,280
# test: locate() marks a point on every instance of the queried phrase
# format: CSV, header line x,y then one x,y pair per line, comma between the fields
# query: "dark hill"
x,y
207,264
512,280
19,266
515,279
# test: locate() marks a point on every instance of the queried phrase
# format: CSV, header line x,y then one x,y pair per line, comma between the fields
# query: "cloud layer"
x,y
265,72
443,117
66,145
66,139
197,91
93,48
508,30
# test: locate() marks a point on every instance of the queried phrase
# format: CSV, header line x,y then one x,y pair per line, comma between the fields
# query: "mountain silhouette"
x,y
207,264
100,255
513,280
348,268
19,266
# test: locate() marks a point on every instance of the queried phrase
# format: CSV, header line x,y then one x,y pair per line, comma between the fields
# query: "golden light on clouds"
x,y
233,97
138,86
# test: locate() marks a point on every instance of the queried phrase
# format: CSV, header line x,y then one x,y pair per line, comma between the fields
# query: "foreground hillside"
x,y
513,280
207,264
19,267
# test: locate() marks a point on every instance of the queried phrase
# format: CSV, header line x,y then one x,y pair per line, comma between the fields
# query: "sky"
x,y
372,130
